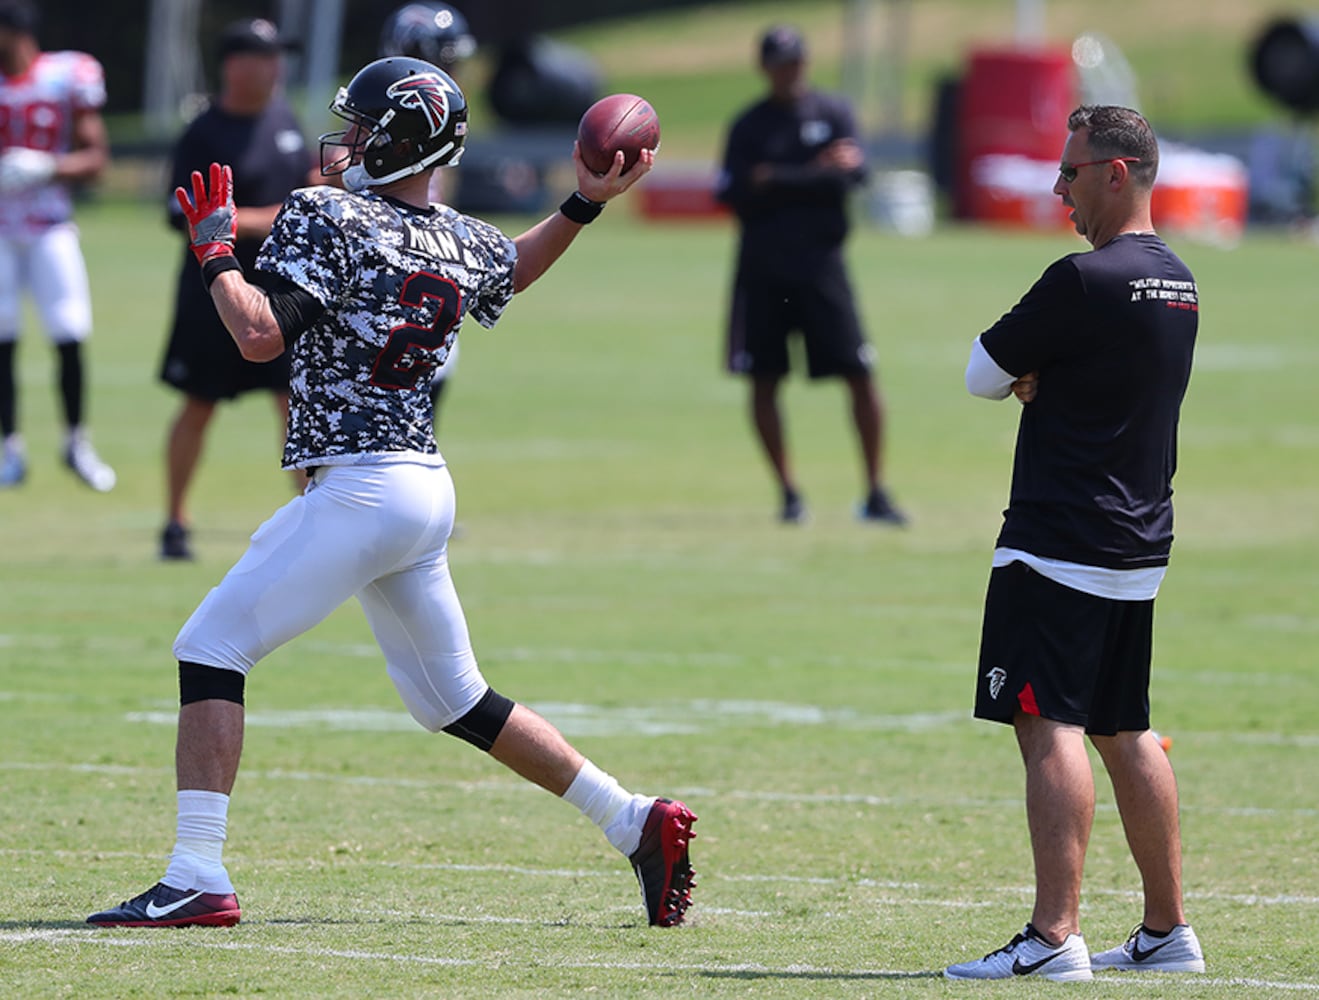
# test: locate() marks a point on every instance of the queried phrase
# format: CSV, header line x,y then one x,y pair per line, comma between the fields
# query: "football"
x,y
619,121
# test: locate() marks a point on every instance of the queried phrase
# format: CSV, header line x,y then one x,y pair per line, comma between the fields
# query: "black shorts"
x,y
203,361
1055,652
766,310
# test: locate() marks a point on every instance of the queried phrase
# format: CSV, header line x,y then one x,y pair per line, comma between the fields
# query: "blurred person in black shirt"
x,y
791,161
251,127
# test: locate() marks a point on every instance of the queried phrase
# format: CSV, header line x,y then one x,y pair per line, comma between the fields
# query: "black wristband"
x,y
580,209
217,265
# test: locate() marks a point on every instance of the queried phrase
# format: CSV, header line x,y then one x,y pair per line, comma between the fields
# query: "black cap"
x,y
782,44
253,35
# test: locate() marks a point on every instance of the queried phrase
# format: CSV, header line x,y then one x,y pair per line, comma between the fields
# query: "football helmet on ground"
x,y
406,115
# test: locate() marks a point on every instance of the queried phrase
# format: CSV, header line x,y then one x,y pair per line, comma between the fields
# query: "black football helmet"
x,y
435,32
409,115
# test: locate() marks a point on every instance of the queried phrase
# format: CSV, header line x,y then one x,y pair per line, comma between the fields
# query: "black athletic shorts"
x,y
203,361
766,310
1049,650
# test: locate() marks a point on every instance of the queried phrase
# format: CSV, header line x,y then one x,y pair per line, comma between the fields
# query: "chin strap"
x,y
357,180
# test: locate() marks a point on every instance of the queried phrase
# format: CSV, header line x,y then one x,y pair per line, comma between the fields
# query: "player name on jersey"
x,y
437,243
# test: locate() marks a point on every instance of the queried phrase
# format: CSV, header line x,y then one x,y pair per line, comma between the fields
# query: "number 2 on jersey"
x,y
409,352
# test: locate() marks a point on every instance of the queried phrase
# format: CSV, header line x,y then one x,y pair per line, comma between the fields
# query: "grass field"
x,y
806,690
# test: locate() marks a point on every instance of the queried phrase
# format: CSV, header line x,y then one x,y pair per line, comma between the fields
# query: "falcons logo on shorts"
x,y
997,676
427,93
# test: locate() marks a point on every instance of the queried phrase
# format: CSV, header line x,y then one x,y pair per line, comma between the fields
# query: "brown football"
x,y
619,121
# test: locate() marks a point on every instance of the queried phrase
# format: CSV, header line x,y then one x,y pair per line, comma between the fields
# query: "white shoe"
x,y
1176,951
1028,954
13,470
81,457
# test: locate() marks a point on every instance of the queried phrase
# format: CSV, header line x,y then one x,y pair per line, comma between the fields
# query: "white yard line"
x,y
154,938
514,786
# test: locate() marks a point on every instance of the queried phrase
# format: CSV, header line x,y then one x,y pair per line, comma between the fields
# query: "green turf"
x,y
806,690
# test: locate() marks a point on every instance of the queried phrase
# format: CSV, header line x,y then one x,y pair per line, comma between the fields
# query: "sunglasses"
x,y
1067,171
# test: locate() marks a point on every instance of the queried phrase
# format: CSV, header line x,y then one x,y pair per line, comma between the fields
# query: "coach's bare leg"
x,y
1060,807
769,426
1146,793
533,748
868,416
183,449
209,744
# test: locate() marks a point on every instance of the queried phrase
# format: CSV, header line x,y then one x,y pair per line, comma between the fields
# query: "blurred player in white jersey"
x,y
51,136
437,33
366,286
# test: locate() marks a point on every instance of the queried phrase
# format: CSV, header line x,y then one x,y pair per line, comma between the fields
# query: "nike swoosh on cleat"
x,y
1019,969
1141,956
155,912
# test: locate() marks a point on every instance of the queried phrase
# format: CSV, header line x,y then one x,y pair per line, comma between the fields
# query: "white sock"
x,y
609,806
624,832
197,861
14,445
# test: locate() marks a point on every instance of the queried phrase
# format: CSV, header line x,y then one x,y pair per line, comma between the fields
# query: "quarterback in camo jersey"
x,y
367,286
403,280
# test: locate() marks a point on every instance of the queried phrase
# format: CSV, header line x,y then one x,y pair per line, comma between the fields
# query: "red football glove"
x,y
212,219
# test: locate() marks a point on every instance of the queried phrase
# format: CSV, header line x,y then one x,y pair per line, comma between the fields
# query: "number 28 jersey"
x,y
396,282
37,111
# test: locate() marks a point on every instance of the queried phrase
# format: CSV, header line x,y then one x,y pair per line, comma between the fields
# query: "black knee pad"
x,y
201,683
483,724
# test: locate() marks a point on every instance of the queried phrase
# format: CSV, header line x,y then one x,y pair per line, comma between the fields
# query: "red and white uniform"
x,y
38,242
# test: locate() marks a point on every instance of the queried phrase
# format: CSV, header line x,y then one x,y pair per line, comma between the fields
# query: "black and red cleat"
x,y
164,906
663,867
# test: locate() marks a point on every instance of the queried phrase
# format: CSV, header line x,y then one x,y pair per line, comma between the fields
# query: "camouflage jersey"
x,y
396,282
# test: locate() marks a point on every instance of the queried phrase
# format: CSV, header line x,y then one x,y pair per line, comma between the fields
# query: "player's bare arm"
x,y
543,244
212,229
245,311
91,149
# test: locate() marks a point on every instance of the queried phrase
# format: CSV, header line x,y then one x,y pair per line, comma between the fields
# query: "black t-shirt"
x,y
798,220
1111,333
269,157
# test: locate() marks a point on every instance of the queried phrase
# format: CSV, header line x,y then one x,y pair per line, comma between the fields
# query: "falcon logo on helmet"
x,y
427,93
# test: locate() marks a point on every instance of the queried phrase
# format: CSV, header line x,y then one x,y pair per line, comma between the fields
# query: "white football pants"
x,y
49,264
379,532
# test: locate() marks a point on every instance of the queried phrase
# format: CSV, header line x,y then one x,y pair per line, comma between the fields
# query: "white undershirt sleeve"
x,y
984,377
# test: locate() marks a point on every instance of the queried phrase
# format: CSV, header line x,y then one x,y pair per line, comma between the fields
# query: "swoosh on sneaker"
x,y
1020,968
155,912
1140,956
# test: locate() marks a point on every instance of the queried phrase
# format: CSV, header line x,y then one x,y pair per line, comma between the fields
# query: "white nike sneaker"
x,y
81,457
1028,954
1176,951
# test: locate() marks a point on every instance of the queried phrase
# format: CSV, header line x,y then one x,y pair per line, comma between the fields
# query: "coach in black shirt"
x,y
251,127
791,161
1099,352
